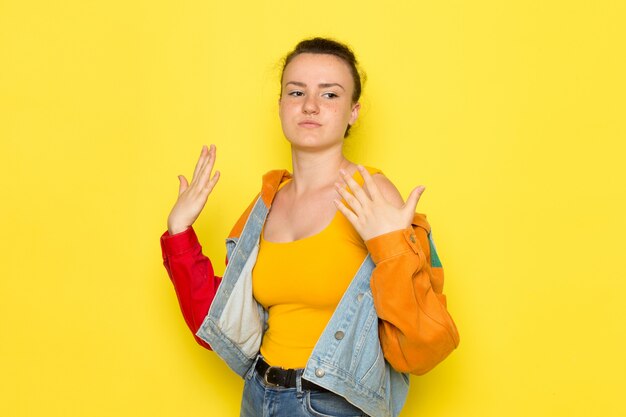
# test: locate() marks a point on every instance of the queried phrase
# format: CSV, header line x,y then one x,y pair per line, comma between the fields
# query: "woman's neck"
x,y
313,171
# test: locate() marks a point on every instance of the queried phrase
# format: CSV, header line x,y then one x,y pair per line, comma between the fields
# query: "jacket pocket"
x,y
370,370
374,376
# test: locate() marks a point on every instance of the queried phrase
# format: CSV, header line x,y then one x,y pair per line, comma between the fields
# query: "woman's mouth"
x,y
309,124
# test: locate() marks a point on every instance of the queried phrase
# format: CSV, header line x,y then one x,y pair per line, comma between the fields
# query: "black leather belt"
x,y
280,377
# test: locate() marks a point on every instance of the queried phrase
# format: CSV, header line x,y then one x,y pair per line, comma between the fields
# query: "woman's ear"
x,y
355,113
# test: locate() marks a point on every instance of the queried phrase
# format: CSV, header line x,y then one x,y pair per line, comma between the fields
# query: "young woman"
x,y
333,289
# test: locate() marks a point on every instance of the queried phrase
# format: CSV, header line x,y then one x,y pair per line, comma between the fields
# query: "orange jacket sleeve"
x,y
415,328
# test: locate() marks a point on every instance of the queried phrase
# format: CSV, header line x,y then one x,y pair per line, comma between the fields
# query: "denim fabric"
x,y
347,359
261,400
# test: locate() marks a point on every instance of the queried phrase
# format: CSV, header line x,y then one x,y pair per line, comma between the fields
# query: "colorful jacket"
x,y
391,321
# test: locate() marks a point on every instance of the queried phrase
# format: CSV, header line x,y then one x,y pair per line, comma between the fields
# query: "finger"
x,y
411,201
182,186
354,187
213,181
352,218
205,173
370,185
206,160
349,198
200,163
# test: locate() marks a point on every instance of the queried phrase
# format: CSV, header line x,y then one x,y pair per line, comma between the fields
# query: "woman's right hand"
x,y
192,197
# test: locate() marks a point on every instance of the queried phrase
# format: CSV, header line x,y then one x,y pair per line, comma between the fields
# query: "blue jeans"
x,y
261,400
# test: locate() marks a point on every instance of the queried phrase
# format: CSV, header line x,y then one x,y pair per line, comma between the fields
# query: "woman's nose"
x,y
310,105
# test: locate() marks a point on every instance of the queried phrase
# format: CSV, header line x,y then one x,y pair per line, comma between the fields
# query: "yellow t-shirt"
x,y
300,283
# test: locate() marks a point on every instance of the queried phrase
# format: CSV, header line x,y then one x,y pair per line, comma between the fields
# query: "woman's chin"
x,y
312,142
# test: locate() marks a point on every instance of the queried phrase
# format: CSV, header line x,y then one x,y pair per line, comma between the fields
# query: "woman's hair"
x,y
330,47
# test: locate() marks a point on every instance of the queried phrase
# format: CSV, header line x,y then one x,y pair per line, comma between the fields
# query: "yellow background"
x,y
511,113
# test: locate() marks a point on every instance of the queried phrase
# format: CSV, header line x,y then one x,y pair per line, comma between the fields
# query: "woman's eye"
x,y
296,93
330,95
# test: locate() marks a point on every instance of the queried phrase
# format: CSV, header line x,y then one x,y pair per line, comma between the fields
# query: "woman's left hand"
x,y
369,212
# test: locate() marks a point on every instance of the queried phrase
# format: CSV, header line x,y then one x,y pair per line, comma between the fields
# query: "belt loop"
x,y
299,383
252,369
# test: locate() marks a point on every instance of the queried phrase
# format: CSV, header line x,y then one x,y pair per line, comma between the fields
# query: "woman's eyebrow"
x,y
321,85
326,85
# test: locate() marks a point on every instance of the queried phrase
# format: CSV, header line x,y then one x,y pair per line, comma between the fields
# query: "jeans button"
x,y
339,335
319,372
359,297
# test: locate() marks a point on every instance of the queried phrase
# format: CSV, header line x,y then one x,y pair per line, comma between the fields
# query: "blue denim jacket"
x,y
347,358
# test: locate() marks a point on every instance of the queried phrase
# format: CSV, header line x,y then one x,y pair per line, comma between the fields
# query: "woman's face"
x,y
316,101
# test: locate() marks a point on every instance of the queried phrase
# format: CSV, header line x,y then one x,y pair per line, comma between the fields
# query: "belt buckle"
x,y
265,377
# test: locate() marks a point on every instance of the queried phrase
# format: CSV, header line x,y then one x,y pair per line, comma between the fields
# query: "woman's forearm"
x,y
415,328
192,274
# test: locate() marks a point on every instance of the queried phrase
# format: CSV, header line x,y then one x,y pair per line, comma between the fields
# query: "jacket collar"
x,y
271,181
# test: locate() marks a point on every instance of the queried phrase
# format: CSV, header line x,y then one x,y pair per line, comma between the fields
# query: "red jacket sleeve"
x,y
192,274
